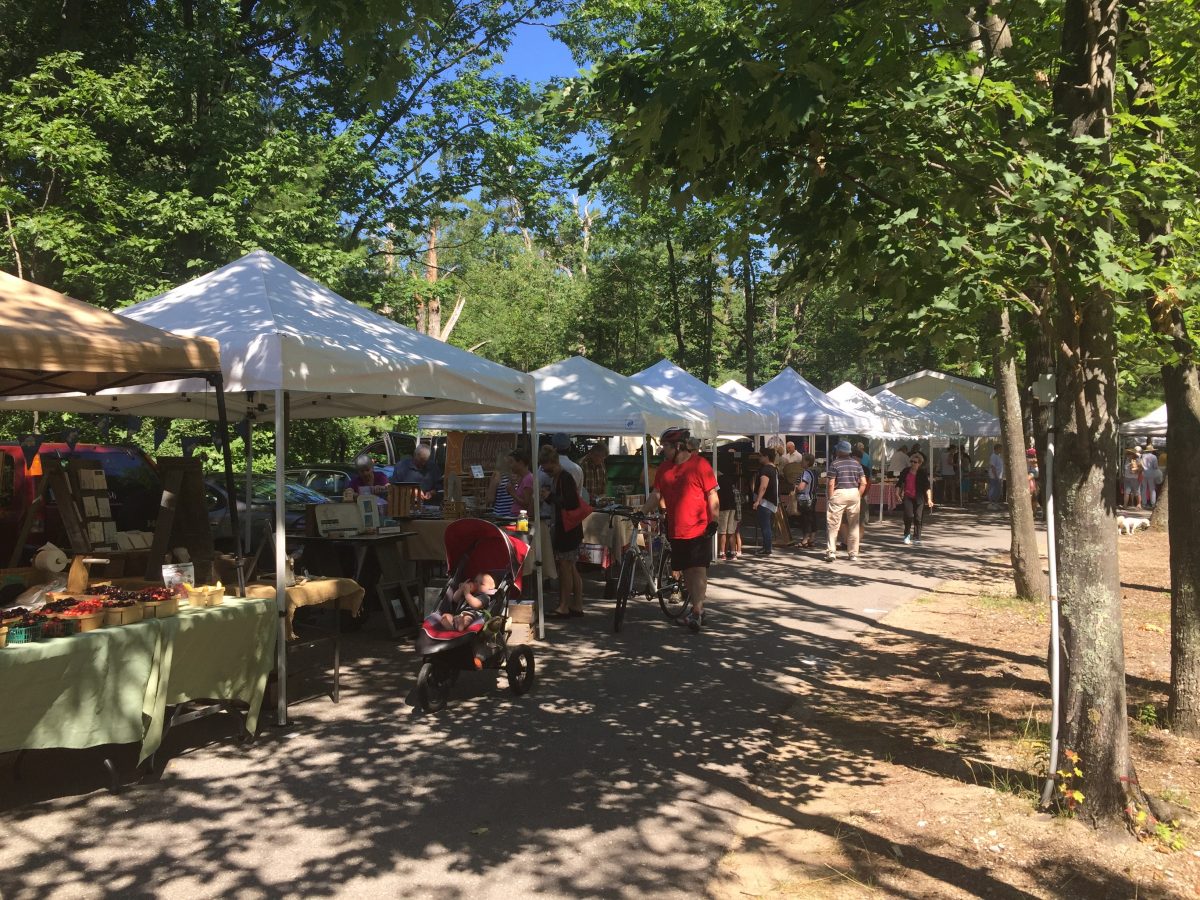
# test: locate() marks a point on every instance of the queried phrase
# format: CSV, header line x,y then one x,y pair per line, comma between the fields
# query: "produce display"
x,y
107,605
70,608
134,595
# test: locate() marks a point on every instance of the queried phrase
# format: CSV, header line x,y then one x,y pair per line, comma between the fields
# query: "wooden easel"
x,y
91,490
182,518
54,478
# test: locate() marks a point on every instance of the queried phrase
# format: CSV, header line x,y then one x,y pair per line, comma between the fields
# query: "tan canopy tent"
x,y
51,344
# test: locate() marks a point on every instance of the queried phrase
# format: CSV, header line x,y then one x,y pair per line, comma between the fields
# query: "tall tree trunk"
x,y
676,313
1181,383
1095,716
710,301
1183,532
1026,562
432,302
751,317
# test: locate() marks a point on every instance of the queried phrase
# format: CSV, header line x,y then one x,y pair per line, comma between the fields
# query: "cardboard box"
x,y
634,500
521,613
519,634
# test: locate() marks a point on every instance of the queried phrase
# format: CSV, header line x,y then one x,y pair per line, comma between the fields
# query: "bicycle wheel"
x,y
672,595
624,590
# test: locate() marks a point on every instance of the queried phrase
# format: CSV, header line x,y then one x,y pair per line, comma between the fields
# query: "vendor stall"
x,y
1151,425
55,346
291,347
113,685
578,396
803,409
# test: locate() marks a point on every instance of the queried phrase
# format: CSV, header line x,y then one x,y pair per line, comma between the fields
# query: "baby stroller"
x,y
474,546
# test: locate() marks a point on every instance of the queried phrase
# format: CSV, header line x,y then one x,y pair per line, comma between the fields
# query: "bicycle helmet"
x,y
674,435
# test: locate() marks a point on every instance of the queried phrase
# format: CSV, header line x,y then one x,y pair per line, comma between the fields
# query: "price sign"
x,y
476,471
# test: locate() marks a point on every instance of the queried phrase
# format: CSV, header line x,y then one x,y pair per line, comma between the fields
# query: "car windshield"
x,y
264,492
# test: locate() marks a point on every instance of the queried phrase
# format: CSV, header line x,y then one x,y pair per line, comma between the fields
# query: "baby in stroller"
x,y
468,603
469,628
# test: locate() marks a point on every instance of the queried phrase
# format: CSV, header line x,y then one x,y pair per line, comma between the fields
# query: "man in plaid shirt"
x,y
595,477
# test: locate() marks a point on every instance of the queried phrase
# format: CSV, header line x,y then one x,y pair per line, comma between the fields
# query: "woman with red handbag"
x,y
566,535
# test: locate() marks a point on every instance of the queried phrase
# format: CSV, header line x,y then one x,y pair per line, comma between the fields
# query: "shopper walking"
x,y
564,496
995,478
915,496
766,500
688,488
727,520
845,484
1151,477
950,475
1131,478
806,500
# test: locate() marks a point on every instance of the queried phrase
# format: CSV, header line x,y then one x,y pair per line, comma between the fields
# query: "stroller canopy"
x,y
485,547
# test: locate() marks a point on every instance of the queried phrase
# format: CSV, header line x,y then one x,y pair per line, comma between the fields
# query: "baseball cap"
x,y
560,442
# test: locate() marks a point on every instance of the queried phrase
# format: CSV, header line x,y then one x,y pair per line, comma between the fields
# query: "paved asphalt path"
x,y
622,774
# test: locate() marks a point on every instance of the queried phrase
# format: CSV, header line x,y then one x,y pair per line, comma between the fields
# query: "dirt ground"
x,y
933,742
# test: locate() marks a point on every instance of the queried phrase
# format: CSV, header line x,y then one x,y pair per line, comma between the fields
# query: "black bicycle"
x,y
639,575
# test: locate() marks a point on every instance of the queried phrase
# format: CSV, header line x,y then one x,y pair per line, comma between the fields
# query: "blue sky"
x,y
536,56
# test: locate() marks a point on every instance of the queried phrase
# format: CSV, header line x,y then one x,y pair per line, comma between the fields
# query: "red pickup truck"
x,y
134,489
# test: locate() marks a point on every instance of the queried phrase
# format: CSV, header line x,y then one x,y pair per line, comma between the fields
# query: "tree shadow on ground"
x,y
624,773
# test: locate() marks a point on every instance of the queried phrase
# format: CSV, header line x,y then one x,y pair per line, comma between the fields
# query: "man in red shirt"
x,y
685,483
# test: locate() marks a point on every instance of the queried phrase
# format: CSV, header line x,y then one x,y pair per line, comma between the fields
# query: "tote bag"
x,y
573,518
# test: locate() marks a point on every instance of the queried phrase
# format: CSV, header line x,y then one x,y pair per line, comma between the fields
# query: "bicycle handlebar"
x,y
628,512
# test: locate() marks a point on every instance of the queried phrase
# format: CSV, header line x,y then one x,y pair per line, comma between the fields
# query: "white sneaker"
x,y
853,557
908,539
917,542
830,557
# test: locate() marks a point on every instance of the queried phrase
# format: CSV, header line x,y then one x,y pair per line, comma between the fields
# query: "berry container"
x,y
160,609
25,634
123,615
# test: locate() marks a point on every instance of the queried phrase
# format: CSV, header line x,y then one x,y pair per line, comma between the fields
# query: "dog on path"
x,y
1131,524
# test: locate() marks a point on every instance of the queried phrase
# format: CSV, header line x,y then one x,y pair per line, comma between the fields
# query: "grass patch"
x,y
1002,602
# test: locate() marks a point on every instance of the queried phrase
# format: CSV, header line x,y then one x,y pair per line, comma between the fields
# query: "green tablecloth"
x,y
112,685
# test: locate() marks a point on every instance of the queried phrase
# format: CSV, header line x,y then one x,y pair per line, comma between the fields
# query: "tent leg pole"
x,y
281,555
646,493
230,488
249,542
537,533
715,540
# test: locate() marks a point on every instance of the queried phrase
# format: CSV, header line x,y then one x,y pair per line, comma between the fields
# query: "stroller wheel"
x,y
433,688
520,669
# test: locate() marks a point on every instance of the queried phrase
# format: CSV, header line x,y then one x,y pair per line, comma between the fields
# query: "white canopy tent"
x,y
736,389
578,396
928,425
888,424
972,421
280,331
1151,425
803,409
731,415
289,343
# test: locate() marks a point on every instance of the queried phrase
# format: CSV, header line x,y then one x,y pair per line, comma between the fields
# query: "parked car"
x,y
297,499
391,447
134,492
330,480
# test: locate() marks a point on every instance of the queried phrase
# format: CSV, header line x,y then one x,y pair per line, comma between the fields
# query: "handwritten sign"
x,y
476,471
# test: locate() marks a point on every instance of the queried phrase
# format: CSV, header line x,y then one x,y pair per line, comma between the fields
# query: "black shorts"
x,y
691,553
